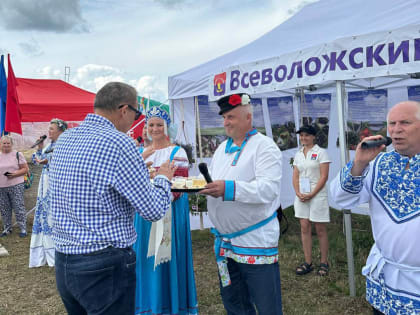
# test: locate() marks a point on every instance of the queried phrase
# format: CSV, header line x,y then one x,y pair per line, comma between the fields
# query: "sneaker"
x,y
23,234
5,233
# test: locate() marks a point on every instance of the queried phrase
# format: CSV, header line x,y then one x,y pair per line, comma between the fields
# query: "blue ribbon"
x,y
219,237
230,148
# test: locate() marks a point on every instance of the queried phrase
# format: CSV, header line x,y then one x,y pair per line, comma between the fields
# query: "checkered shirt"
x,y
98,180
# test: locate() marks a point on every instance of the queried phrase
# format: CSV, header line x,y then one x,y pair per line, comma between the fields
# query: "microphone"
x,y
204,170
40,140
376,143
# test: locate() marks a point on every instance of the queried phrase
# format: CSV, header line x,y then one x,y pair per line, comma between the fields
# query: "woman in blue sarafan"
x,y
42,250
164,270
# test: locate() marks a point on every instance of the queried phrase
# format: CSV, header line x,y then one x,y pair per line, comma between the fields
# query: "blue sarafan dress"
x,y
167,287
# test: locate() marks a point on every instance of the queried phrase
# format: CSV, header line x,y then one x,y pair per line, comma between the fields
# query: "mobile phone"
x,y
7,174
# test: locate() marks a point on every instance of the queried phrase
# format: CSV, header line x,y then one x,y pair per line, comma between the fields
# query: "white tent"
x,y
330,46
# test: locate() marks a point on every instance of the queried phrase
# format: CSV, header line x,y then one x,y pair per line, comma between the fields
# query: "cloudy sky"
x,y
140,42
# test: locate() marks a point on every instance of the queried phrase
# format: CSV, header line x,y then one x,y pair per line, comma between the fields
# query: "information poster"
x,y
366,115
211,126
315,111
414,93
282,120
257,113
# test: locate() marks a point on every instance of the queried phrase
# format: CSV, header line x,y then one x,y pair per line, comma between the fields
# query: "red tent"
x,y
43,100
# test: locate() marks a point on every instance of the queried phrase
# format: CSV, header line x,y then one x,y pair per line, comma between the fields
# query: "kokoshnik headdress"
x,y
158,112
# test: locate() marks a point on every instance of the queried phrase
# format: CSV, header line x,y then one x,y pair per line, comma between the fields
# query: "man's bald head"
x,y
404,127
406,105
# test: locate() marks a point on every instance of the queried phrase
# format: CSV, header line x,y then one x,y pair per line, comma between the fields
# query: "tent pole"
x,y
344,160
200,149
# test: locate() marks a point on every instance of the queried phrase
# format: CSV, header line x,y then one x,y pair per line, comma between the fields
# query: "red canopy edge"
x,y
41,100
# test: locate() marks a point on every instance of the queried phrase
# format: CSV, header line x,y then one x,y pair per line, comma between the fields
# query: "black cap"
x,y
308,129
230,102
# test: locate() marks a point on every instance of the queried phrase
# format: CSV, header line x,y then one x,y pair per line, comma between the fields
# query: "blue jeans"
x,y
102,282
251,285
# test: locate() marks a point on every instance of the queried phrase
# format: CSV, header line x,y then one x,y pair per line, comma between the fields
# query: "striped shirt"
x,y
98,180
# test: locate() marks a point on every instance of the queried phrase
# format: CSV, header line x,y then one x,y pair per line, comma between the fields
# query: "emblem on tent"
x,y
220,84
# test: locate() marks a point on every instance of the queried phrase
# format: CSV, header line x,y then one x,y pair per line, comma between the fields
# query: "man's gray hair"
x,y
113,94
250,109
7,137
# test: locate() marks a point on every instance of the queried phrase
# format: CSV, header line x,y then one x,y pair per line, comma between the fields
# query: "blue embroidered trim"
x,y
381,298
397,189
250,251
231,149
229,190
349,183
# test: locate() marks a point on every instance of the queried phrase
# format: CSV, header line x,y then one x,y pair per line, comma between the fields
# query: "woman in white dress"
x,y
42,246
310,174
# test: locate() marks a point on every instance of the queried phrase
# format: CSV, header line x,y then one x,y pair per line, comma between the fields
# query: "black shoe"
x,y
23,234
5,233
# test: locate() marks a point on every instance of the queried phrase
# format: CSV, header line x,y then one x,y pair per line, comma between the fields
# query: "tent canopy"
x,y
43,100
318,23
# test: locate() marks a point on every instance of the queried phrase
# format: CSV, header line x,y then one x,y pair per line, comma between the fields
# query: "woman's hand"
x,y
300,196
18,173
306,197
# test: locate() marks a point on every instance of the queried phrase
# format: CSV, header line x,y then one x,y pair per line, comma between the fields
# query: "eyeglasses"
x,y
138,113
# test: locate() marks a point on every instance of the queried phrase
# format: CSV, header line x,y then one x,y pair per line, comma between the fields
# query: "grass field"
x,y
32,291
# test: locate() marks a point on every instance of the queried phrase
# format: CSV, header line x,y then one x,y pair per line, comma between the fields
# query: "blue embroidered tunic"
x,y
393,191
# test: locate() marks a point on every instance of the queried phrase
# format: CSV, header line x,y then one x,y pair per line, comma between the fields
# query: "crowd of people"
x,y
120,239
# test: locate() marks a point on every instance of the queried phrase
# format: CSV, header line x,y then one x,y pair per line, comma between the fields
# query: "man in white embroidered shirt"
x,y
242,204
98,181
390,182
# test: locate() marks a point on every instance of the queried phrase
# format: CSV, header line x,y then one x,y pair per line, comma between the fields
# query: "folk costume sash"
x,y
222,261
231,148
160,238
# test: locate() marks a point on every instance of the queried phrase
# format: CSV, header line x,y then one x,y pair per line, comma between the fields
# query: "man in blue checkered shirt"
x,y
98,181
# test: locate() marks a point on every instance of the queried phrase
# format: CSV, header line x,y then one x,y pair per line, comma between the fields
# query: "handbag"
x,y
28,178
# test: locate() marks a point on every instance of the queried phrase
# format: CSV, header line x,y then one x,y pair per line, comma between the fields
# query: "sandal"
x,y
323,269
304,268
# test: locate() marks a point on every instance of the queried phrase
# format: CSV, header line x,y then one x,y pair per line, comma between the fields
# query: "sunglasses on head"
x,y
138,113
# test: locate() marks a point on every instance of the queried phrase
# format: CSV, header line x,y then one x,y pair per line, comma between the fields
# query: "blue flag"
x,y
3,95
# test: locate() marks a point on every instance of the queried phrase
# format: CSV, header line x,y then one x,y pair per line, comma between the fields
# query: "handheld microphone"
x,y
40,140
50,150
376,143
205,171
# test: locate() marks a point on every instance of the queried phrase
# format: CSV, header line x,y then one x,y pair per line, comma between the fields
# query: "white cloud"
x,y
49,72
92,77
150,86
